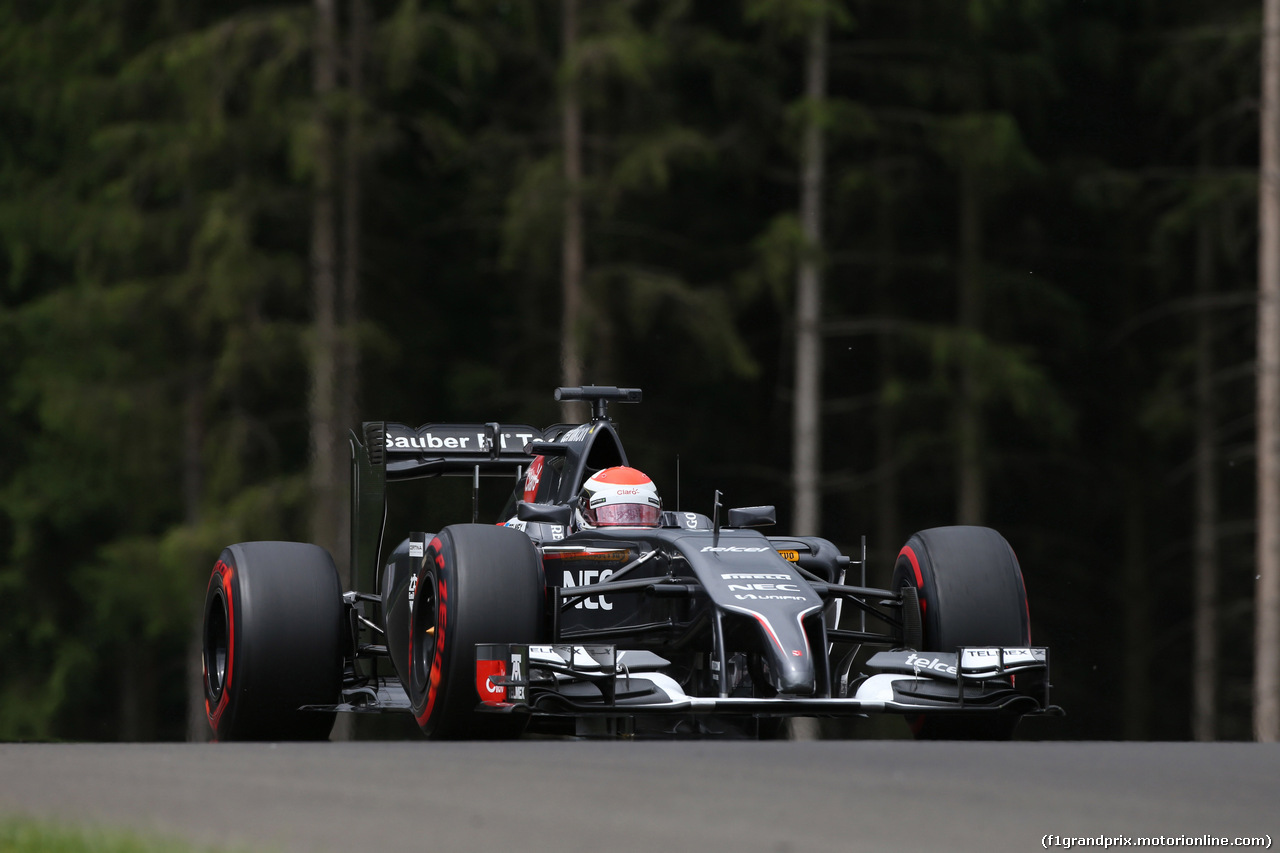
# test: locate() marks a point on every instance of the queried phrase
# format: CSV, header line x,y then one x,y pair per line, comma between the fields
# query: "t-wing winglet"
x,y
599,396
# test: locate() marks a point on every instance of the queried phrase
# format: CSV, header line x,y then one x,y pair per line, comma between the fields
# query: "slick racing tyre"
x,y
478,584
971,594
272,642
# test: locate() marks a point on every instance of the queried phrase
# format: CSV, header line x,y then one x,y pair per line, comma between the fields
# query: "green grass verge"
x,y
23,835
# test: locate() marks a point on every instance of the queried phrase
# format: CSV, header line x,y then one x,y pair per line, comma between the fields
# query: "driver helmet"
x,y
618,497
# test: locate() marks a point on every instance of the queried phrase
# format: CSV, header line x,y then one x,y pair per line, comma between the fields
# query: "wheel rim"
x,y
217,647
425,613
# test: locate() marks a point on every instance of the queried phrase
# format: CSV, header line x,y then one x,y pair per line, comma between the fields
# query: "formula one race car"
x,y
680,623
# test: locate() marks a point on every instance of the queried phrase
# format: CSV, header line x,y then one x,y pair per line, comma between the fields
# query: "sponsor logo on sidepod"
x,y
587,577
533,478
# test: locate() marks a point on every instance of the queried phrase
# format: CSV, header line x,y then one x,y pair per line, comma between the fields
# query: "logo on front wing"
x,y
922,663
999,652
490,693
517,690
733,549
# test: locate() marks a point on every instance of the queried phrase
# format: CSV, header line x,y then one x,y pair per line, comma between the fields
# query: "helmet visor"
x,y
627,515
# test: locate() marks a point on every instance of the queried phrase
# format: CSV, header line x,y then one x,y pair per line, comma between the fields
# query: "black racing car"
x,y
700,625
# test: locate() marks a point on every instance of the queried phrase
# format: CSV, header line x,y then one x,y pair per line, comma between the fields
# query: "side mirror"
x,y
753,516
550,513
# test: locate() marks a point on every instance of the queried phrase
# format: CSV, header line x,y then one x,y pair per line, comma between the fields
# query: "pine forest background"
x,y
230,231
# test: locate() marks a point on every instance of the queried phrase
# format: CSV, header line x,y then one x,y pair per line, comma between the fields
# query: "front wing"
x,y
601,680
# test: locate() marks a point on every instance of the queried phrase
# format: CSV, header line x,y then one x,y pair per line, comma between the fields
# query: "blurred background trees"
x,y
230,231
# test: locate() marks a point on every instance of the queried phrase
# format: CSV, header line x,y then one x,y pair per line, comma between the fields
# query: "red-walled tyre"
x,y
478,584
971,594
272,642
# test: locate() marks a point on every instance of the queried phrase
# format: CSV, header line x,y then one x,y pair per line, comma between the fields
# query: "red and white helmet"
x,y
618,497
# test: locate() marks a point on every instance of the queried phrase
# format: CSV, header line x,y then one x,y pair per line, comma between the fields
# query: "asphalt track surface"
x,y
649,796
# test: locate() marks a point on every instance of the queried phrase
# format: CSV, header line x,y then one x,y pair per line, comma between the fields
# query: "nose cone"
x,y
789,660
796,679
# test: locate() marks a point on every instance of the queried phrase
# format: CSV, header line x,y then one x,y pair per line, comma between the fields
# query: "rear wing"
x,y
392,452
387,452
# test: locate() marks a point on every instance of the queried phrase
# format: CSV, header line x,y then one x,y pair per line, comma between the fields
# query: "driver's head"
x,y
618,497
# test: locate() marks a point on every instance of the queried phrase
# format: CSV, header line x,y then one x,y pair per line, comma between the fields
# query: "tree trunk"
x,y
1134,604
807,404
970,471
138,693
192,489
348,414
1205,666
198,730
889,531
806,423
325,513
572,250
1266,672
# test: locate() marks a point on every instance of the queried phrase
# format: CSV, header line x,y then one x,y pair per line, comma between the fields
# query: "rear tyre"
x,y
272,642
478,584
971,594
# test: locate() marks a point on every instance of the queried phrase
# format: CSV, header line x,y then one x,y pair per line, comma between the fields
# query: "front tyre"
x,y
478,584
272,642
971,594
